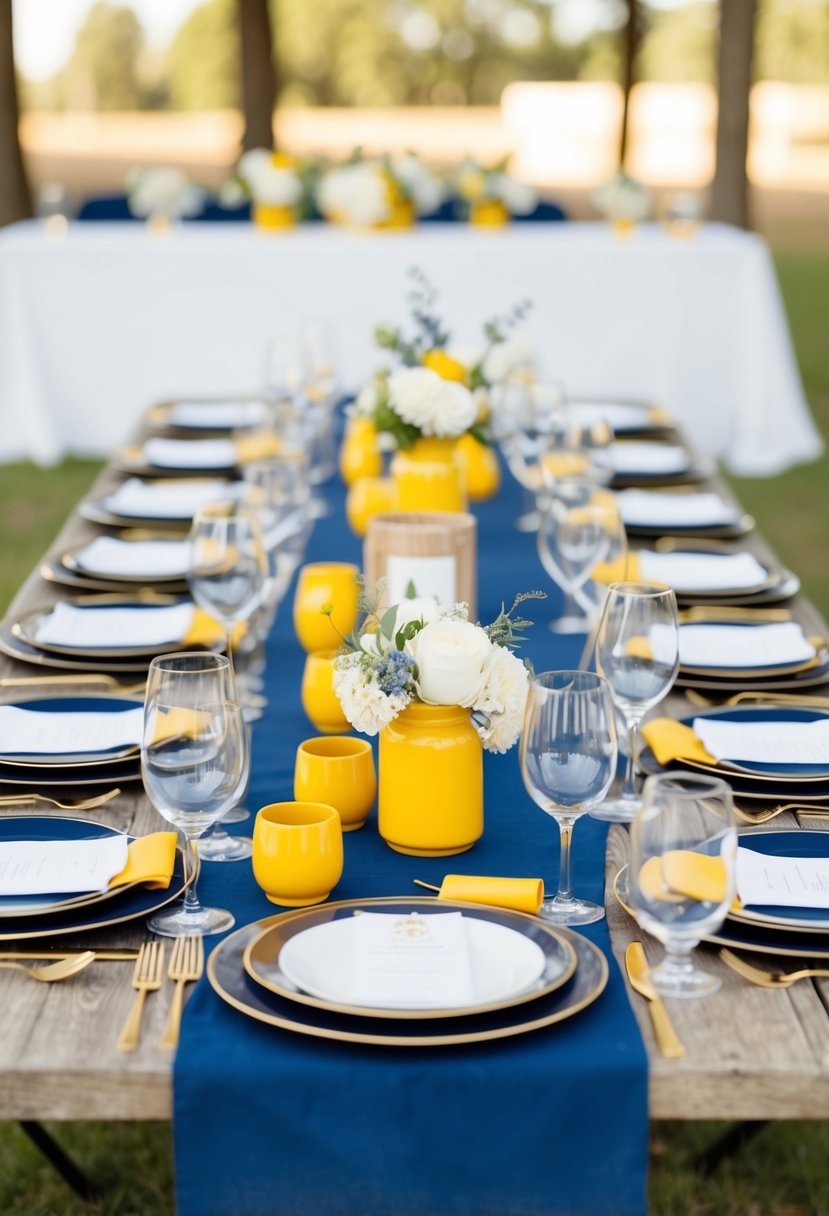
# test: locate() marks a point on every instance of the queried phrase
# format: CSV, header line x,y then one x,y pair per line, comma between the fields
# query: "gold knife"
x,y
638,972
108,956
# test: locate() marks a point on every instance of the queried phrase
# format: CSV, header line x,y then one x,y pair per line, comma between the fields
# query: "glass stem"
x,y
629,789
191,899
564,894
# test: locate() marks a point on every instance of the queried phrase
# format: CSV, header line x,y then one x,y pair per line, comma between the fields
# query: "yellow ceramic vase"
x,y
321,584
488,214
481,475
360,453
369,496
429,476
273,219
319,700
431,796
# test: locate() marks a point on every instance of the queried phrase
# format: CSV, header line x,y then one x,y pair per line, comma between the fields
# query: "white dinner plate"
x,y
504,964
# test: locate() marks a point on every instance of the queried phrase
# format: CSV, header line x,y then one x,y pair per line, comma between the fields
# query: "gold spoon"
x,y
61,970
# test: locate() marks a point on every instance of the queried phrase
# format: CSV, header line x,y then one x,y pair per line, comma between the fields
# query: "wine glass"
x,y
580,529
528,422
193,764
568,761
682,872
637,651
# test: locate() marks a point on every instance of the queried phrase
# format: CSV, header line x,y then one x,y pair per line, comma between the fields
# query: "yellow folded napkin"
x,y
256,447
150,860
565,464
520,894
206,631
682,874
670,740
623,570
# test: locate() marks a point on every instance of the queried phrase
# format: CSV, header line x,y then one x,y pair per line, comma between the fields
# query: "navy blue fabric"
x,y
553,1123
114,207
455,209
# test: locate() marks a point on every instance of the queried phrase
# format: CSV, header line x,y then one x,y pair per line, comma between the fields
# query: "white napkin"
x,y
631,458
411,960
138,558
99,628
620,416
218,415
702,571
53,867
170,499
649,507
788,882
190,453
37,732
767,743
732,646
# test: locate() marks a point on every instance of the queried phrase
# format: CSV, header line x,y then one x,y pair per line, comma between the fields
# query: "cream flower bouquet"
x,y
418,650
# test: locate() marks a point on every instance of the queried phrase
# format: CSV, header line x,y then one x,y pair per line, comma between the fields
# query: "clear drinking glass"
x,y
580,528
568,760
637,651
194,765
529,421
681,878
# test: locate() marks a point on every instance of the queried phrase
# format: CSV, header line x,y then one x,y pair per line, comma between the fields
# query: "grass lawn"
x,y
782,1172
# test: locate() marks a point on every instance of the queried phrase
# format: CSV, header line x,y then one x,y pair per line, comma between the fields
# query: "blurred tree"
x,y
103,71
259,87
204,60
680,44
15,198
729,192
793,41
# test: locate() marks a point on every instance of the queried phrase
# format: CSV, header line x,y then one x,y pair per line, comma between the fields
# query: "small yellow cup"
x,y
367,497
340,772
319,700
360,453
297,852
322,583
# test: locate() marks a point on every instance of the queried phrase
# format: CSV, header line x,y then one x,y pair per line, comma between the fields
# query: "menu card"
x,y
631,458
765,742
731,646
702,571
788,882
171,499
652,508
190,453
34,732
221,415
98,628
411,961
52,867
136,558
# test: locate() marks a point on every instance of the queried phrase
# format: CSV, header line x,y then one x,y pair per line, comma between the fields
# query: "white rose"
x,y
355,194
268,183
451,657
518,197
163,191
418,608
426,190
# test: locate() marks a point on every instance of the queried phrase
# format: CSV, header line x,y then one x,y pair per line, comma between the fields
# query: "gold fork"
x,y
101,679
186,966
81,804
62,969
770,979
147,977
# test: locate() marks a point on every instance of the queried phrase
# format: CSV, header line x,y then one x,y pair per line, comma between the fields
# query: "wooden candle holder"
x,y
435,550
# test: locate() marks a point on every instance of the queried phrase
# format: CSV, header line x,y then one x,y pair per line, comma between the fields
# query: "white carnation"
x,y
363,701
425,189
502,699
355,194
519,198
622,198
272,185
437,407
163,191
506,359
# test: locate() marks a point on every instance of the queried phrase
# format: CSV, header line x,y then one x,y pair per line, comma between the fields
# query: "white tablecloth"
x,y
99,324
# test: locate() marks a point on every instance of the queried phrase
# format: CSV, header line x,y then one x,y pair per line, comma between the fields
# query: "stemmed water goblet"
x,y
580,529
568,761
194,764
529,422
681,875
637,651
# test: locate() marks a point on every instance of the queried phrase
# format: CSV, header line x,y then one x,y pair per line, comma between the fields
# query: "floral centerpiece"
x,y
277,185
162,193
433,403
492,195
381,192
437,688
622,201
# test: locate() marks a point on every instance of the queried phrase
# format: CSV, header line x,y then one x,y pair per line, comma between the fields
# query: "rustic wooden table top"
x,y
751,1053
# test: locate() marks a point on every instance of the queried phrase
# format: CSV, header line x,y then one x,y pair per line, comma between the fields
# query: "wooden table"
x,y
751,1053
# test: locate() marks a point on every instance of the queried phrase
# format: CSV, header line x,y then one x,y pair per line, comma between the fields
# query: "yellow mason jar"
x,y
481,475
360,453
490,213
273,219
431,786
429,476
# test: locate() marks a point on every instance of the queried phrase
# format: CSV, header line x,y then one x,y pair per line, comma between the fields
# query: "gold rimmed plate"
x,y
26,631
233,985
73,760
16,648
262,958
56,572
70,561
